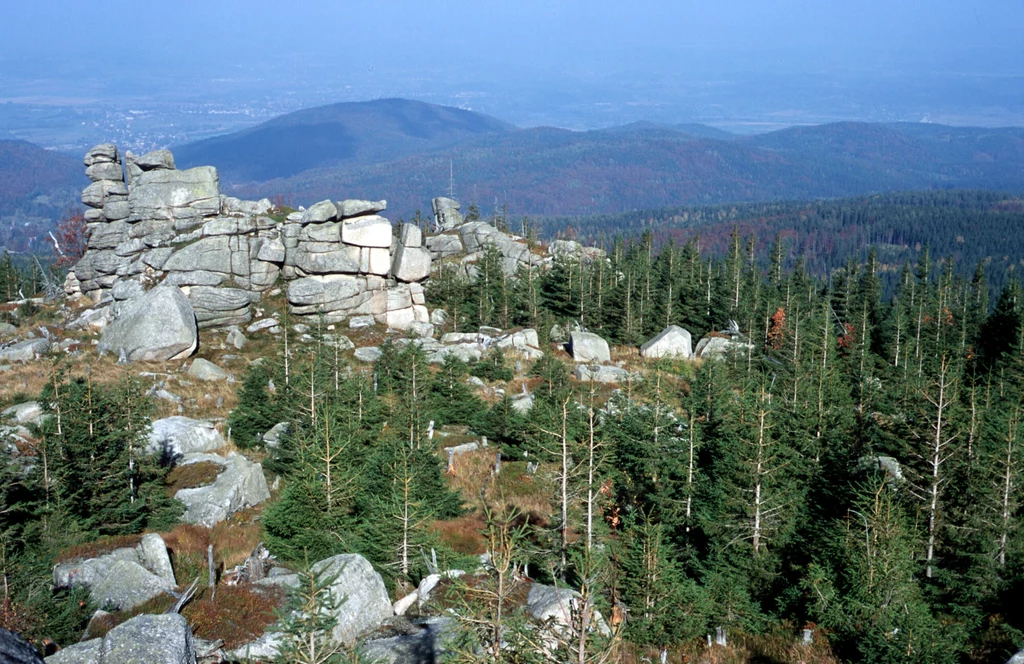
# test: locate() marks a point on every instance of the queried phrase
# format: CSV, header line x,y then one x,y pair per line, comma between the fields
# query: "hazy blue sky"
x,y
201,67
565,34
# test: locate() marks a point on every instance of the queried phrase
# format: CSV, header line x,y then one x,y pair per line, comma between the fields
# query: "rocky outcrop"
x,y
123,578
159,325
151,224
153,639
673,341
174,227
240,485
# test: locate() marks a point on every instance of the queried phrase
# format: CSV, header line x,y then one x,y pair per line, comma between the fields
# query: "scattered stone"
x,y
368,354
719,347
438,317
429,644
236,338
588,347
29,412
421,329
25,351
600,373
522,403
556,606
273,437
206,370
119,580
265,324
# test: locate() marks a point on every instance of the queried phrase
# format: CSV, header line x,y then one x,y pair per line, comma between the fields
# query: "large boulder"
x,y
211,254
673,341
588,347
157,326
155,160
319,213
152,639
174,436
240,485
123,578
357,588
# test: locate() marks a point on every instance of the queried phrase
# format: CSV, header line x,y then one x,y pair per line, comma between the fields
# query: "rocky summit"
x,y
151,225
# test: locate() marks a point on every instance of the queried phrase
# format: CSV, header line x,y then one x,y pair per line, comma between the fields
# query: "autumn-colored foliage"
x,y
72,237
777,329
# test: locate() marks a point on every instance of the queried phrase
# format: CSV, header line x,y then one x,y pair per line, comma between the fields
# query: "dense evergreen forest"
x,y
853,465
969,226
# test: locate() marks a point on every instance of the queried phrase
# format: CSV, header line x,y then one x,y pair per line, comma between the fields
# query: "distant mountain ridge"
x,y
354,133
407,152
548,171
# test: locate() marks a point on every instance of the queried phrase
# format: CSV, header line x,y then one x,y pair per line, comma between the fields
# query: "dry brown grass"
x,y
779,647
464,534
513,488
23,382
236,614
100,547
191,476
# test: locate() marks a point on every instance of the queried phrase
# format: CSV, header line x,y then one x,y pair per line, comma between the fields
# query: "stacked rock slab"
x,y
174,227
470,239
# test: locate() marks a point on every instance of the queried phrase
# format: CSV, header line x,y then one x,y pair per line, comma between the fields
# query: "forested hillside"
x,y
356,133
845,462
36,187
